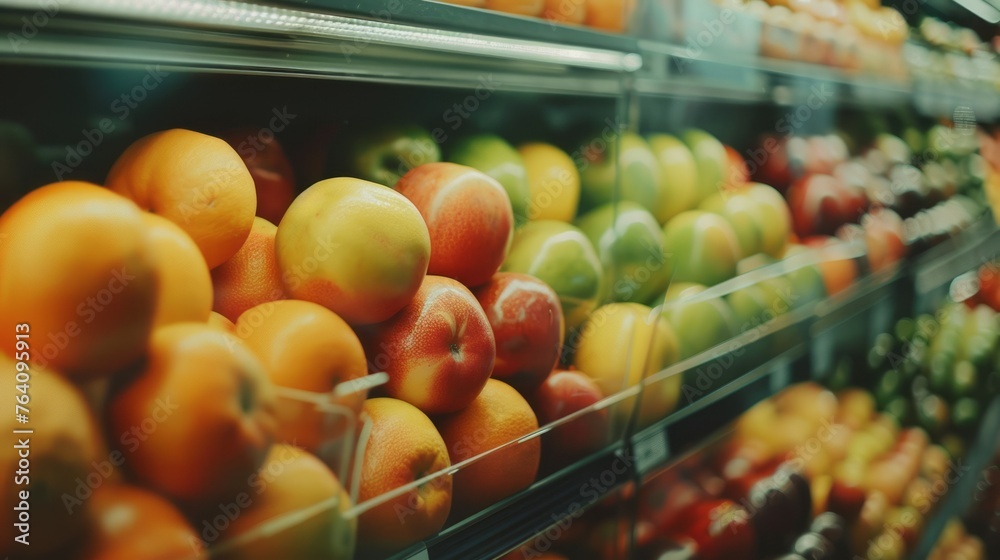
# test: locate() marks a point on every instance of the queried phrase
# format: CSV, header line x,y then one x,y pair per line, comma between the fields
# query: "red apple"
x,y
527,321
561,394
777,161
820,204
438,351
847,496
721,529
884,236
468,215
269,166
665,497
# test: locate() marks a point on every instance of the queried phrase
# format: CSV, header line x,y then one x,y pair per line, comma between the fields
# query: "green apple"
x,y
777,218
640,173
699,324
629,243
386,154
710,156
495,157
702,247
678,176
743,213
806,281
560,255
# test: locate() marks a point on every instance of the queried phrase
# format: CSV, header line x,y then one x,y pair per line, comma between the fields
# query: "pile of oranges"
x,y
188,362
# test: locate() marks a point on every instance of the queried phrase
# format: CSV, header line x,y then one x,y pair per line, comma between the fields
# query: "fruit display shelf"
x,y
755,365
232,36
959,499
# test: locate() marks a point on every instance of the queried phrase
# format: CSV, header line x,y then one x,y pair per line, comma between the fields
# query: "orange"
x,y
62,452
198,419
129,523
357,248
77,267
251,277
610,15
520,7
185,292
296,508
565,11
497,416
306,346
194,180
403,446
220,322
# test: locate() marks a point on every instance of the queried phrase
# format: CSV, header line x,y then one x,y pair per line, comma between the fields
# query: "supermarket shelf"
x,y
438,15
670,70
935,269
517,519
962,493
659,445
233,36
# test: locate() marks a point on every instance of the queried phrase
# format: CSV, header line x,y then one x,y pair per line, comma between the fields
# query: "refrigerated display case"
x,y
715,200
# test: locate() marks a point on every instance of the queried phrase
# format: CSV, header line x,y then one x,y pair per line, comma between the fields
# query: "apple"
x,y
563,393
777,218
820,204
712,160
560,255
678,175
527,322
383,155
468,217
744,213
702,246
629,243
663,498
629,163
271,171
739,174
838,274
495,157
619,346
720,528
777,160
553,181
884,237
699,323
438,351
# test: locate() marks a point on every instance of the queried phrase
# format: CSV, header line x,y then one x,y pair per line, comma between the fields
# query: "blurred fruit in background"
x,y
269,167
678,175
383,155
630,245
553,181
560,255
563,393
712,161
603,158
700,322
495,157
702,247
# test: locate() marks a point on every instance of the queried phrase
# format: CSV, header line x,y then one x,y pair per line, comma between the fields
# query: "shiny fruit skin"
x,y
77,266
202,390
251,276
562,393
498,415
527,322
196,181
703,246
404,446
438,351
553,179
357,248
306,346
185,284
468,216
